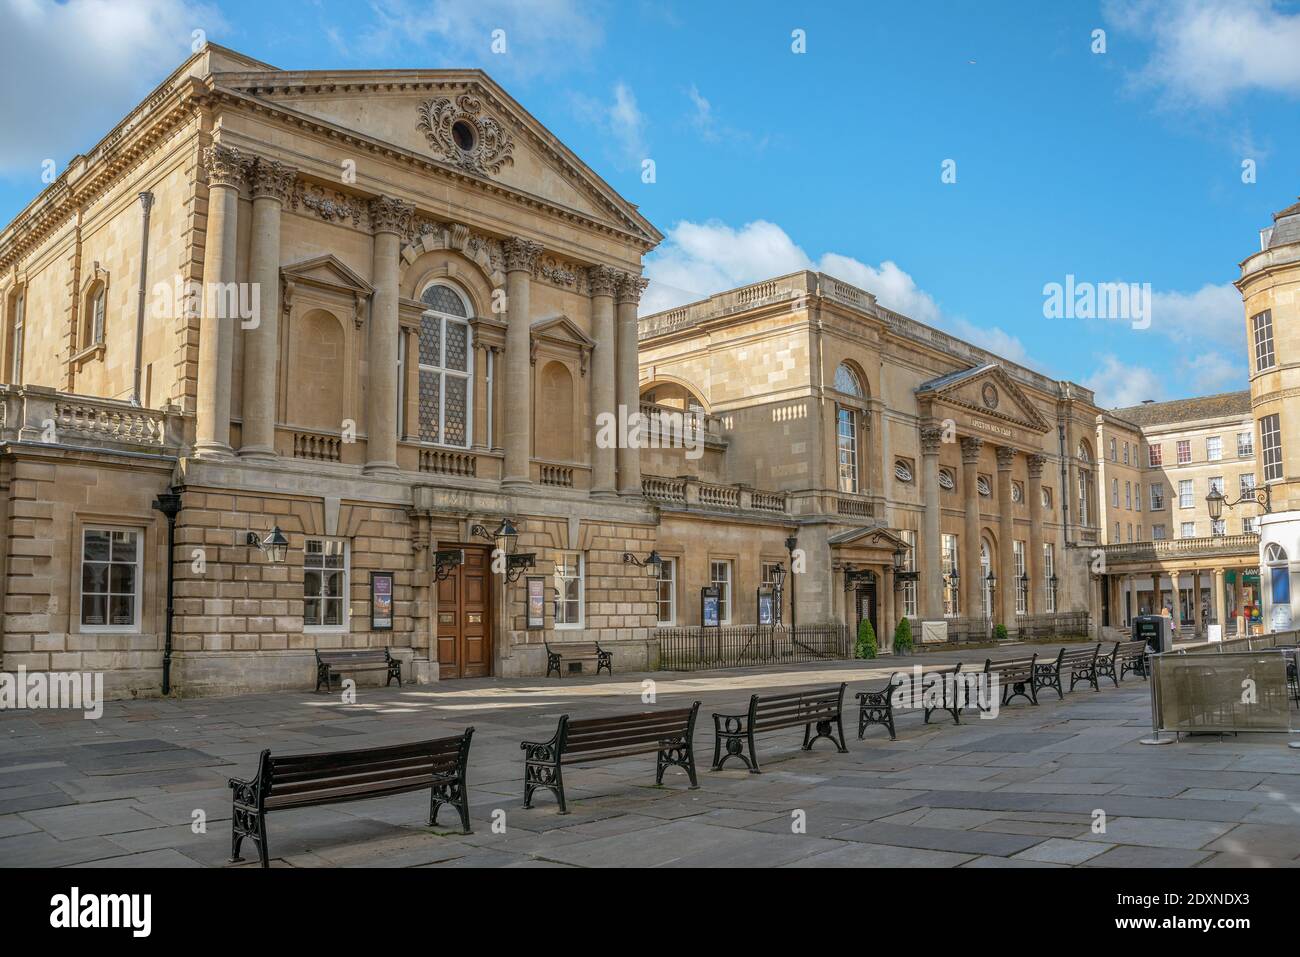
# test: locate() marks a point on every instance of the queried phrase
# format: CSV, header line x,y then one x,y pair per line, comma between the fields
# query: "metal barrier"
x,y
1247,684
738,646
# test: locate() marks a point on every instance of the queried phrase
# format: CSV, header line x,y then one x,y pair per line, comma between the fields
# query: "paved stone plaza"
x,y
1019,790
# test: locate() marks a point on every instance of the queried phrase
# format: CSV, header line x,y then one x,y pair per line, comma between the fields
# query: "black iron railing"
x,y
736,646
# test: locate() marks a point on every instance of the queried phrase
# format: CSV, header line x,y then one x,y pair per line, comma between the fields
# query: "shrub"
x,y
866,646
903,637
1000,633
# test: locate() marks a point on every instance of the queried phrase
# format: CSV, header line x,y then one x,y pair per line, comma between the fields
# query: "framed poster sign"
x,y
766,605
536,602
709,606
381,601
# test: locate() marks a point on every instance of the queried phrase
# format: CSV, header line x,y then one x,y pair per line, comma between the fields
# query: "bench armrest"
x,y
731,723
548,750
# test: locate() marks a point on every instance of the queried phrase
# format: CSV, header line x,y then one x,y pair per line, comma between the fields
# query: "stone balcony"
x,y
42,415
687,493
1245,545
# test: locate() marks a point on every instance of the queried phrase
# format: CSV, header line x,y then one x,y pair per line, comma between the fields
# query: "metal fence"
x,y
736,646
1065,624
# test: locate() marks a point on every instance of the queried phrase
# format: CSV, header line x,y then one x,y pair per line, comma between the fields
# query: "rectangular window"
x,y
1213,448
1270,442
325,584
1250,526
847,441
1186,493
1126,453
951,596
1022,587
1187,530
1157,496
1117,539
445,373
1245,444
720,577
97,318
1128,496
1113,455
1155,455
1129,528
1049,572
1157,533
1218,526
16,367
909,565
1184,451
668,591
568,590
1216,484
110,579
1114,493
1247,486
1139,535
1262,327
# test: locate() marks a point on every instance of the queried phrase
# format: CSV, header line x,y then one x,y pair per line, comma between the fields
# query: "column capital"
x,y
931,440
225,165
1006,458
521,254
1036,464
630,288
390,215
970,449
270,179
602,280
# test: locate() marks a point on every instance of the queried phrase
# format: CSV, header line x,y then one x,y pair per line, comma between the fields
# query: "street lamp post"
x,y
791,543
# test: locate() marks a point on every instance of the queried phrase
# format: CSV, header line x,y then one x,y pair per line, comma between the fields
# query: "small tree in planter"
x,y
866,646
903,637
999,632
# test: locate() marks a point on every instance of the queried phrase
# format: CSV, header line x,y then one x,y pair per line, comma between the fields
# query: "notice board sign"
x,y
381,601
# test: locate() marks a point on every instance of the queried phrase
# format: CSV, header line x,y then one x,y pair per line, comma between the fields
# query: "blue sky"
x,y
1122,165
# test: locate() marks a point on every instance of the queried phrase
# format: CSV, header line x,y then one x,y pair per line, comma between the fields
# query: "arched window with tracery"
x,y
847,425
446,387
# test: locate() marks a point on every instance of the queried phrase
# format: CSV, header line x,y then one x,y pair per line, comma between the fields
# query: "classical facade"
x,y
376,312
1270,288
1163,549
859,432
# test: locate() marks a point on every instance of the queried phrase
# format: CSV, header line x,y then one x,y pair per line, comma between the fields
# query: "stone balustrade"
x,y
1245,544
688,492
41,414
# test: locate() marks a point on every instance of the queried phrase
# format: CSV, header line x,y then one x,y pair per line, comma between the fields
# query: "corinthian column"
x,y
601,280
972,584
1034,564
271,182
929,561
517,424
629,392
1006,559
390,218
225,168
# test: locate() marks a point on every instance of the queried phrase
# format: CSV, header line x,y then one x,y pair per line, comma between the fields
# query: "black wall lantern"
x,y
653,564
1215,501
505,538
275,546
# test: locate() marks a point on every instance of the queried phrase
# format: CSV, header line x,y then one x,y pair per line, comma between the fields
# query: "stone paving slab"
x,y
1018,790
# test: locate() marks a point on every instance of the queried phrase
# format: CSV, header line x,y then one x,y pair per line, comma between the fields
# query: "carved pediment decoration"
x,y
329,275
426,235
463,135
563,332
330,205
987,391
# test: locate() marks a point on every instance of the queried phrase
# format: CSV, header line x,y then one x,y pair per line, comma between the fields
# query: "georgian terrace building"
x,y
857,431
1159,462
375,310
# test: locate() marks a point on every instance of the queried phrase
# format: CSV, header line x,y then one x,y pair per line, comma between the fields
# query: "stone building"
x,y
374,310
1270,289
861,432
1163,550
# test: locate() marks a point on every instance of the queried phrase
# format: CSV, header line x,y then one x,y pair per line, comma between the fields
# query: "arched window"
x,y
1275,554
847,381
446,368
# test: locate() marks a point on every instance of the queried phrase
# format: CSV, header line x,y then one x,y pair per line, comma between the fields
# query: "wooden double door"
x,y
464,616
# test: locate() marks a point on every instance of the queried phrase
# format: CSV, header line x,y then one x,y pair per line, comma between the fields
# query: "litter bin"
x,y
1156,631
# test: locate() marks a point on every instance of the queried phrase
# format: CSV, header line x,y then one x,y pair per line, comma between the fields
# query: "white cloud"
x,y
621,120
1205,51
702,119
1118,384
699,259
70,70
1213,312
542,36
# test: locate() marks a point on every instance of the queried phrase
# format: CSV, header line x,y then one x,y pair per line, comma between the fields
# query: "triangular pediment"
x,y
562,329
989,391
326,272
457,119
869,536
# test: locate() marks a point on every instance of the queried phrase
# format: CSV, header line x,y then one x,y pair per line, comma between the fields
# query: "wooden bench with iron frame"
x,y
666,734
329,665
877,707
1082,665
577,651
1126,656
820,707
309,780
